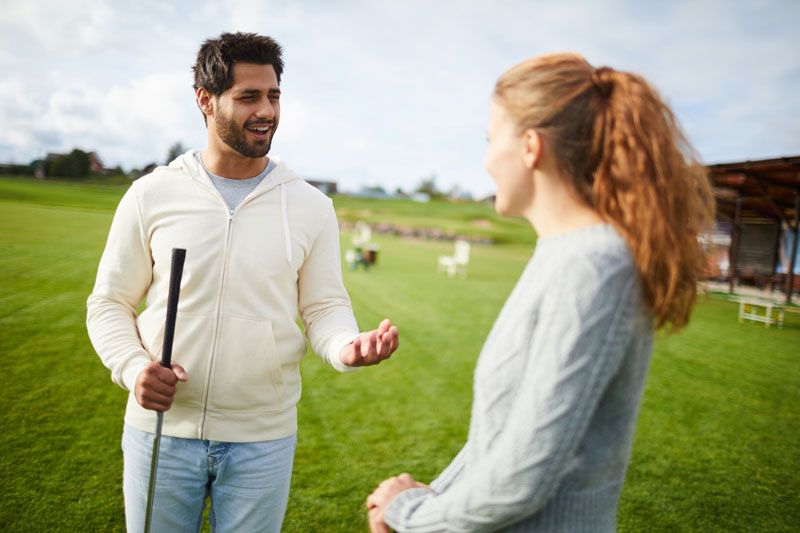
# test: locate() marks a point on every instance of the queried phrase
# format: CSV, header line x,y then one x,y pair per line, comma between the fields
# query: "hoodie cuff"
x,y
341,341
131,371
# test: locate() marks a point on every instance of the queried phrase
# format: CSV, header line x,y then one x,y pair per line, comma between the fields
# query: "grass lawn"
x,y
718,440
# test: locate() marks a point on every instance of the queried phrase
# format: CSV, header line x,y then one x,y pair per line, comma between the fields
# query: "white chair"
x,y
364,251
456,263
362,234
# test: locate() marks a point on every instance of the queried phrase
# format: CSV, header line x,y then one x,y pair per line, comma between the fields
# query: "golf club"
x,y
178,257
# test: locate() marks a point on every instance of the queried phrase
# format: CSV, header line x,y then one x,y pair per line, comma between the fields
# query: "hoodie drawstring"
x,y
286,235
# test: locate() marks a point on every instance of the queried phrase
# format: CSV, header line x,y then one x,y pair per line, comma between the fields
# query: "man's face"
x,y
246,115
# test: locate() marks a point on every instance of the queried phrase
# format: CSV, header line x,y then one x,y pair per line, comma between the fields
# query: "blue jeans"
x,y
248,483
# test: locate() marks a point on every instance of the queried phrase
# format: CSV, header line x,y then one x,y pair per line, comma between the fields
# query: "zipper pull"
x,y
230,214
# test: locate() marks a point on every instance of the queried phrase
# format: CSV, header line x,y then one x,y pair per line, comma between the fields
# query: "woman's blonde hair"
x,y
625,154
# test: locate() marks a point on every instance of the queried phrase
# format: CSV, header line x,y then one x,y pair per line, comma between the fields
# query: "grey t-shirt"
x,y
234,191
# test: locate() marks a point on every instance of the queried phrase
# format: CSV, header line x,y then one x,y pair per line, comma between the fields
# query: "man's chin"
x,y
254,151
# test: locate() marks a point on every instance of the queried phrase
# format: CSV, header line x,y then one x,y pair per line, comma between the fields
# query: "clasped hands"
x,y
383,496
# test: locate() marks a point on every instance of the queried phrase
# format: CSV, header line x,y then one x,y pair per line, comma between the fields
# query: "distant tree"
x,y
399,192
428,186
175,150
14,169
73,165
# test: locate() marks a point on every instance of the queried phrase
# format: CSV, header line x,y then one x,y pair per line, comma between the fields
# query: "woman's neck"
x,y
556,208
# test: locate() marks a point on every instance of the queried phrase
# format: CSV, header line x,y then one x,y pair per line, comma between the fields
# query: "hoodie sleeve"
x,y
324,304
123,277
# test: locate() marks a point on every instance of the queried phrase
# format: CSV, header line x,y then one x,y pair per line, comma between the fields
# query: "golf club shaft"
x,y
151,487
178,258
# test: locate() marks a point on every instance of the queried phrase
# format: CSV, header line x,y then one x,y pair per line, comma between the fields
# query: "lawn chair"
x,y
364,252
362,235
456,263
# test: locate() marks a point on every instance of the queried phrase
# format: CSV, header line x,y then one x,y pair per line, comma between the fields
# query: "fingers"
x,y
376,523
366,348
383,495
372,347
180,372
155,385
372,501
393,340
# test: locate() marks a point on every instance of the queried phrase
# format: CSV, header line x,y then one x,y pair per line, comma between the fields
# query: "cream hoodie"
x,y
247,276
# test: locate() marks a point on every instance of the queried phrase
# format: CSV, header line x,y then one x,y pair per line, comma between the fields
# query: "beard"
x,y
235,136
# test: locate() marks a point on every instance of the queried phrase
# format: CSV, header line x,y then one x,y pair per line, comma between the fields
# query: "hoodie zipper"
x,y
231,213
217,318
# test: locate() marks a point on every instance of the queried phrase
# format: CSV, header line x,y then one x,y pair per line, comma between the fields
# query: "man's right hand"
x,y
155,385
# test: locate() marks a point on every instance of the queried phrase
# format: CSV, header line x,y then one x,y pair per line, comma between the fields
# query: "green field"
x,y
717,445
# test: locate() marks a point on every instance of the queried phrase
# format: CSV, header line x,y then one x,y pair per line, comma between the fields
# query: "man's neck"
x,y
232,165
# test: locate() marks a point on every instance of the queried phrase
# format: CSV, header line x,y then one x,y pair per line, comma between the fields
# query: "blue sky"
x,y
386,92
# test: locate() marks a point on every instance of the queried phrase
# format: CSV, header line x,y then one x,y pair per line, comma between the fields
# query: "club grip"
x,y
178,257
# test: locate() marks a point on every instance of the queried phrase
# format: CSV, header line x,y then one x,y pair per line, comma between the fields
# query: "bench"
x,y
758,310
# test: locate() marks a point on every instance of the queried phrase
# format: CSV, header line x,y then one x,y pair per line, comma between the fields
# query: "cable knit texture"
x,y
557,391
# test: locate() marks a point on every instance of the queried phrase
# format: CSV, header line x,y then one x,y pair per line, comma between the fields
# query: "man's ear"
x,y
205,101
531,147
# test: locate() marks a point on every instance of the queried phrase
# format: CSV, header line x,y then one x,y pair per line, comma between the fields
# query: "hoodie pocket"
x,y
190,349
246,372
151,332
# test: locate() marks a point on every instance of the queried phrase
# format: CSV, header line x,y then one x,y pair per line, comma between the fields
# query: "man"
x,y
262,247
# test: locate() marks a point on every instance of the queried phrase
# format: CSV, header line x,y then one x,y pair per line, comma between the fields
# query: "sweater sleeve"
x,y
451,473
324,304
574,349
123,277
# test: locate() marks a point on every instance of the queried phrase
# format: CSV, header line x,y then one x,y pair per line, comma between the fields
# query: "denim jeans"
x,y
248,483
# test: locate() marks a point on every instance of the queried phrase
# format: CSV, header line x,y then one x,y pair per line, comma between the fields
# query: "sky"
x,y
385,92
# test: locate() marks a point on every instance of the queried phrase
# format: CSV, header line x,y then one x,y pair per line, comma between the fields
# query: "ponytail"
x,y
626,156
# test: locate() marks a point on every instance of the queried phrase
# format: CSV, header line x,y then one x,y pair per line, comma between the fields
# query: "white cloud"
x,y
387,92
64,27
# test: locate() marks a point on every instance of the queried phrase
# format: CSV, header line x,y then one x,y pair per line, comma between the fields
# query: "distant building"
x,y
42,167
95,164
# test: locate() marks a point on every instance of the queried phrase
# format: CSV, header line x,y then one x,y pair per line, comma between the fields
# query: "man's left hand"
x,y
372,347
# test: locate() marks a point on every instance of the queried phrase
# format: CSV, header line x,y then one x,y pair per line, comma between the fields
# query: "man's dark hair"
x,y
214,67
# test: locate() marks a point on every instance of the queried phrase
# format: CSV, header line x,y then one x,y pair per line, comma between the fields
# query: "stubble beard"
x,y
235,136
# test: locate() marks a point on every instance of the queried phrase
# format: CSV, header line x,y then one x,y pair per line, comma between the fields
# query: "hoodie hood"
x,y
188,162
278,177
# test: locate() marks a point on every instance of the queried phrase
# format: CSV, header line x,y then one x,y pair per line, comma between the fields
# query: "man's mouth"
x,y
260,130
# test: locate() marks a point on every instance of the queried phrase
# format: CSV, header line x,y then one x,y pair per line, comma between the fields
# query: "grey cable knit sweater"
x,y
557,390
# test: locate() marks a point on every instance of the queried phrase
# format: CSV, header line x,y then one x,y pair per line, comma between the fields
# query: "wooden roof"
x,y
768,188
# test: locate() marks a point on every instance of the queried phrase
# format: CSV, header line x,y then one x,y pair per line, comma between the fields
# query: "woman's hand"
x,y
383,496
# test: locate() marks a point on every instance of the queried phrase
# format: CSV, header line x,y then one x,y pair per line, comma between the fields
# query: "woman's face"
x,y
505,163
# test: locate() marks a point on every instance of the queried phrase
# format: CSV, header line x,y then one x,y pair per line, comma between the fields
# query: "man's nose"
x,y
265,110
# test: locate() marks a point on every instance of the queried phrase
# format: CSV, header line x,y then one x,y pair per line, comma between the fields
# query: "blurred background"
x,y
384,108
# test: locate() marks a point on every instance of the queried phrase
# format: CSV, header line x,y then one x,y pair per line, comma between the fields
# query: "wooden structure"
x,y
766,189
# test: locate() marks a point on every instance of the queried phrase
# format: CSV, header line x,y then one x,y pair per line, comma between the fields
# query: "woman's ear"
x,y
531,147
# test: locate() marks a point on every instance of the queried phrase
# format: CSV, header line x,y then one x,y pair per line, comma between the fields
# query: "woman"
x,y
597,163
